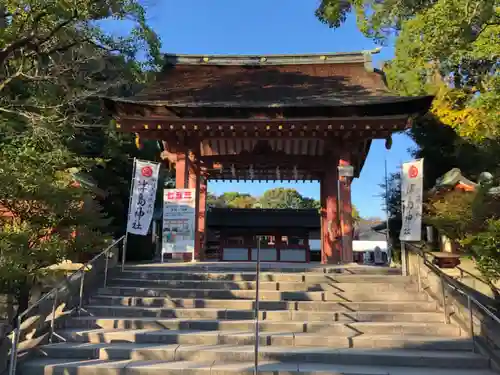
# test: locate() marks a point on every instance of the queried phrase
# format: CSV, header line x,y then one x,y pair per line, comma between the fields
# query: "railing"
x,y
451,283
54,293
463,272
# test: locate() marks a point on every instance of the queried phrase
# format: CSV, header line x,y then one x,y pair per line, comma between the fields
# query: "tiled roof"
x,y
268,81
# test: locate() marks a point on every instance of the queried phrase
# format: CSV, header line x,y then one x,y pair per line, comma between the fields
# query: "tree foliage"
x,y
446,47
286,198
277,198
55,61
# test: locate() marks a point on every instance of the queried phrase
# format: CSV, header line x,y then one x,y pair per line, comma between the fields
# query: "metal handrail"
x,y
475,277
424,252
459,289
54,292
462,271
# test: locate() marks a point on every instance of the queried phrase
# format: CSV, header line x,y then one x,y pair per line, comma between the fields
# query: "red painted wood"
x,y
331,244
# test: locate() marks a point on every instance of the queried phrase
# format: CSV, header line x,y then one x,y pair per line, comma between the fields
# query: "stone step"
x,y
51,366
249,267
269,295
234,353
328,328
273,315
430,306
186,337
289,286
264,276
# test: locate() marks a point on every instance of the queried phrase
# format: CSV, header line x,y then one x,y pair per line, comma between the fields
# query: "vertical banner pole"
x,y
387,213
257,284
404,264
125,240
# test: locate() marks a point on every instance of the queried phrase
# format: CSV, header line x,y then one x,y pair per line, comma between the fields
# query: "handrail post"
x,y
445,305
106,269
124,250
471,322
80,294
404,265
419,279
15,342
53,317
257,300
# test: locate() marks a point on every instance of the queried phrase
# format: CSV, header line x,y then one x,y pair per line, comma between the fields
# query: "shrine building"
x,y
271,118
284,235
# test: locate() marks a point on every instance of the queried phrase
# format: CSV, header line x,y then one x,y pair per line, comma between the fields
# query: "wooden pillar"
x,y
330,240
182,171
346,222
201,206
184,179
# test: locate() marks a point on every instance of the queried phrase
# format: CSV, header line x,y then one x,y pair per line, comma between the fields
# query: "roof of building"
x,y
454,178
270,81
369,231
263,218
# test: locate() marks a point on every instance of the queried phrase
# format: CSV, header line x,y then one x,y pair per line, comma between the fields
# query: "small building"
x,y
370,243
284,234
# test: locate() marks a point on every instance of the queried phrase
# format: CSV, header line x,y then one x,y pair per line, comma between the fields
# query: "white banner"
x,y
412,178
143,196
178,231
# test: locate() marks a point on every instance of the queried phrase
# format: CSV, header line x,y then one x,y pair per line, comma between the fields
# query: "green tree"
x,y
45,211
356,217
285,198
446,47
55,61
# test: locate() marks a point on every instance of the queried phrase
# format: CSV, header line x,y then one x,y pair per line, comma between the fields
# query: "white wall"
x,y
362,246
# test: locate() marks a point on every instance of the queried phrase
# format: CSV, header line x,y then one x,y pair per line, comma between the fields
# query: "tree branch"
x,y
23,41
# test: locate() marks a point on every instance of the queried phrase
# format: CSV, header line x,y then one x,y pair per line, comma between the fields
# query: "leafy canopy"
x,y
277,198
446,47
55,61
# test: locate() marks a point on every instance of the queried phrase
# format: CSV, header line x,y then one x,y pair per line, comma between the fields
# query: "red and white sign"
x,y
178,232
413,171
179,195
412,179
143,196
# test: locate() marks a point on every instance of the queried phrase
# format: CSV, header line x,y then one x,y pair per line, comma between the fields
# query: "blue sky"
x,y
266,27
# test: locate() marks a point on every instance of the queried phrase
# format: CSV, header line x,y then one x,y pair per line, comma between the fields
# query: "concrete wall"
x,y
486,329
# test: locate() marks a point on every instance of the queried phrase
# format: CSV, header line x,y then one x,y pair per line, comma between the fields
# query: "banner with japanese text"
x,y
412,178
143,196
178,233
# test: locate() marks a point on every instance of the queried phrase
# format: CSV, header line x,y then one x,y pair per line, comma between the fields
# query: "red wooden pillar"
x,y
330,241
201,206
181,171
184,179
346,222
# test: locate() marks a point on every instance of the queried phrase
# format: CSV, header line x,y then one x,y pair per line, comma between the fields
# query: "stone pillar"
x,y
330,240
346,222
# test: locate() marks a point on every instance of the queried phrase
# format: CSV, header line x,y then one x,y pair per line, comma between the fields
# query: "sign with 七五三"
x,y
178,230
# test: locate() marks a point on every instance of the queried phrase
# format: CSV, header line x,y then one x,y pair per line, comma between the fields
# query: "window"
x,y
235,241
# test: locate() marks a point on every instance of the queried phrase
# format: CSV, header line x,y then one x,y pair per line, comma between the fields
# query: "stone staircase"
x,y
199,319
